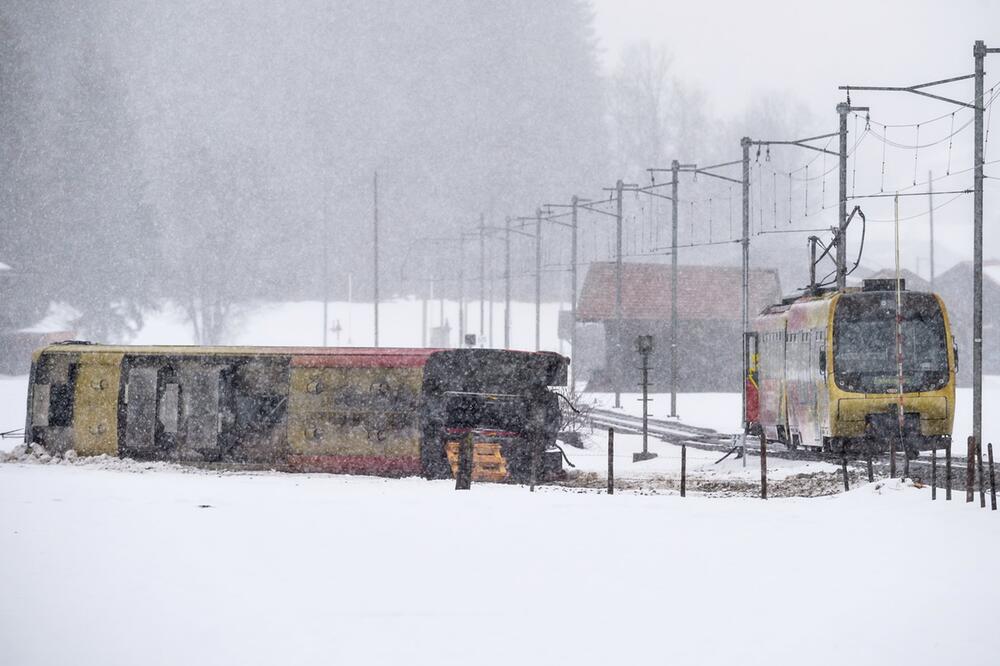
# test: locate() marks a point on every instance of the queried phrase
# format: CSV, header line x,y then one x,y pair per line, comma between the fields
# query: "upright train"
x,y
379,411
824,374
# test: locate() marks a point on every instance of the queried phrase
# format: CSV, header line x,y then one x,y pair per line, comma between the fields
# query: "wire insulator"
x,y
881,187
950,141
789,198
774,199
805,200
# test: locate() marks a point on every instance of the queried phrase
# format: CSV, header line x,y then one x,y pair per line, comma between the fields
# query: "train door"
x,y
204,390
150,409
51,409
140,411
95,426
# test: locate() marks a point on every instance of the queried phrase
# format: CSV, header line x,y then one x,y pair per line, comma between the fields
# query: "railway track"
x,y
677,433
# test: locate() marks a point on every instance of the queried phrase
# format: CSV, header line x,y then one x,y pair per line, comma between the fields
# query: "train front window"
x,y
864,351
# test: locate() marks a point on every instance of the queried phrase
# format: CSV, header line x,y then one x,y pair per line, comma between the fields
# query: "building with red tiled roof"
x,y
709,312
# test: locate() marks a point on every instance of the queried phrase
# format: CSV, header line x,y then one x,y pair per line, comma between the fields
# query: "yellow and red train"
x,y
392,412
824,371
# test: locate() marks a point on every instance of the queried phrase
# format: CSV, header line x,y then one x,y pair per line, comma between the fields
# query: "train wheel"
x,y
794,442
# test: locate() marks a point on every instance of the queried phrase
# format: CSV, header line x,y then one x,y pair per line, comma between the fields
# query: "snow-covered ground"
x,y
183,567
117,562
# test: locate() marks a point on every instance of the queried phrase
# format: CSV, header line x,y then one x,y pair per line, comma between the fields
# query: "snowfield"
x,y
176,566
109,561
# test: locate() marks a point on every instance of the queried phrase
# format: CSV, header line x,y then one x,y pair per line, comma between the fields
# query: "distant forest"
x,y
218,152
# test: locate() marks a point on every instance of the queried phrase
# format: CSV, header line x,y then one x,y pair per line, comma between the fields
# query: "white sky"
x,y
738,48
737,51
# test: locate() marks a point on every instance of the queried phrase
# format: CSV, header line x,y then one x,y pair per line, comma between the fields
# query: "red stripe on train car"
x,y
364,358
369,465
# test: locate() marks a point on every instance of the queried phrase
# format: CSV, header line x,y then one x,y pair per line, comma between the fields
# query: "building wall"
x,y
955,287
709,357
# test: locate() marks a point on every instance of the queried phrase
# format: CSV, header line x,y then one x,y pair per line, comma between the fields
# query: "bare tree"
x,y
225,230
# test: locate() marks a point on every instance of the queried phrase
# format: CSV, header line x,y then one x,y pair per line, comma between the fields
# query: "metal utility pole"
x,y
675,168
326,275
930,215
492,280
843,109
979,52
461,290
574,207
619,356
375,233
482,280
572,271
745,242
538,279
423,313
506,280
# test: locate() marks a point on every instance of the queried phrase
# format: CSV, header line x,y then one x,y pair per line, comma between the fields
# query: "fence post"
x,y
947,471
871,470
843,469
611,461
982,485
763,465
993,480
463,478
934,472
684,470
970,469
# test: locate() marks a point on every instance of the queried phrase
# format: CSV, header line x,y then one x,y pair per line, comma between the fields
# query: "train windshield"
x,y
864,350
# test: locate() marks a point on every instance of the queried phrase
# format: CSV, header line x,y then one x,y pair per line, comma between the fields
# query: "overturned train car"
x,y
391,412
824,372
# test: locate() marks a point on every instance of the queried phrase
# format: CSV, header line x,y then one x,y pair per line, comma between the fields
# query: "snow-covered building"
x,y
955,287
709,311
21,332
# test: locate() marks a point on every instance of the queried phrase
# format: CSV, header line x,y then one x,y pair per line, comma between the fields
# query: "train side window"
x,y
60,405
40,405
169,407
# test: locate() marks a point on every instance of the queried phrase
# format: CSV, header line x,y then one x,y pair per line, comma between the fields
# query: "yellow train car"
x,y
378,411
825,371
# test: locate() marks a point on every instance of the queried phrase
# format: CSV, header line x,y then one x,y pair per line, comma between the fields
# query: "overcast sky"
x,y
741,51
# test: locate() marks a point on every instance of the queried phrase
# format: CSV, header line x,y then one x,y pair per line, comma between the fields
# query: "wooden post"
x,y
982,485
993,479
763,465
463,477
970,469
611,461
934,473
843,467
892,458
947,471
871,470
684,470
